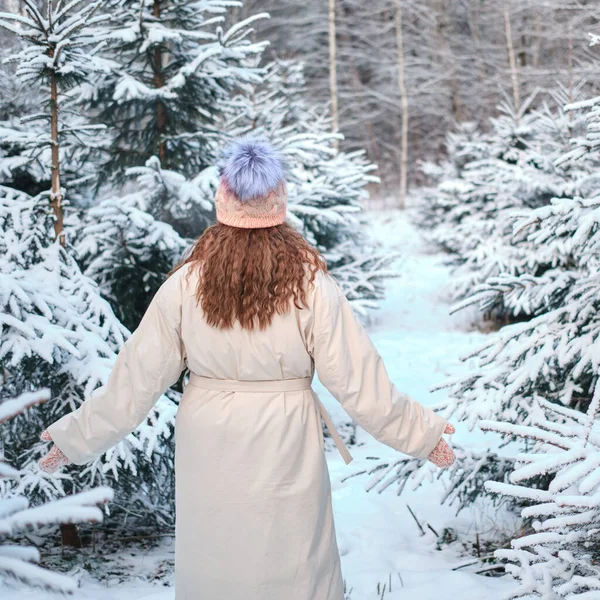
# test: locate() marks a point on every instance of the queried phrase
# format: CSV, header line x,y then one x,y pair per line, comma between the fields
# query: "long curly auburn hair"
x,y
250,274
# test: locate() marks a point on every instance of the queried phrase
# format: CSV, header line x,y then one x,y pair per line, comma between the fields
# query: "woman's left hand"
x,y
442,455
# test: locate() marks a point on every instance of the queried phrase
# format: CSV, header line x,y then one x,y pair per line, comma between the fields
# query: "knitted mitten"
x,y
442,455
54,459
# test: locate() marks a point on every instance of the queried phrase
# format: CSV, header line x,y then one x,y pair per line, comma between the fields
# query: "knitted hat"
x,y
252,190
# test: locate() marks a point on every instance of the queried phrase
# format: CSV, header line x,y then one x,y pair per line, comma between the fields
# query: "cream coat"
x,y
254,516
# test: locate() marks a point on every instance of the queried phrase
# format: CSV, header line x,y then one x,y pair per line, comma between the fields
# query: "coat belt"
x,y
274,385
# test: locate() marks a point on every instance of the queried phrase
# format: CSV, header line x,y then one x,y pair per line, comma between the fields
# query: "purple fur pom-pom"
x,y
253,167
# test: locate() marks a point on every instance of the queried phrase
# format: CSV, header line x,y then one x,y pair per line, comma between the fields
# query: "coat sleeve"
x,y
350,367
150,361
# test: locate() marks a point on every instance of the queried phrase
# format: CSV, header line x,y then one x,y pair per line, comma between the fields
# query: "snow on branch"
x,y
17,562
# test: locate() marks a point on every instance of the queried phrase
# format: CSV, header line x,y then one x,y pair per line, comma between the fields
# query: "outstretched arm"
x,y
149,362
350,367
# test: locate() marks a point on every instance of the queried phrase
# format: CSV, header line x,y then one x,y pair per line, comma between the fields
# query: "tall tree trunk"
x,y
523,52
404,106
333,70
538,39
159,81
445,54
55,192
370,138
511,58
69,532
482,66
570,62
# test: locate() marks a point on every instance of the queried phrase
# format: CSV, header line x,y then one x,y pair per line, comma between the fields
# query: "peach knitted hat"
x,y
252,191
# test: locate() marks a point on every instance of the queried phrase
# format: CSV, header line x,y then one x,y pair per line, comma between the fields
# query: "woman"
x,y
251,312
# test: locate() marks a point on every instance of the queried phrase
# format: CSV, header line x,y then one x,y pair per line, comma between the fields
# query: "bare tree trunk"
x,y
370,139
511,57
55,192
159,81
523,51
404,105
333,71
538,39
482,68
69,535
474,29
447,62
570,69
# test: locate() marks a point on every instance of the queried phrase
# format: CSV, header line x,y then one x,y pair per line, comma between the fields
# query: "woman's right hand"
x,y
55,458
442,455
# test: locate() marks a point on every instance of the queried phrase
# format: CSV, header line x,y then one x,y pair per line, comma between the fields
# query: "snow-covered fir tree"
x,y
20,167
471,213
552,357
174,63
17,516
464,145
25,151
125,247
473,197
54,49
57,330
558,557
560,298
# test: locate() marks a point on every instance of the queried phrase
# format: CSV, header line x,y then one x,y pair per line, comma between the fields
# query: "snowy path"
x,y
377,536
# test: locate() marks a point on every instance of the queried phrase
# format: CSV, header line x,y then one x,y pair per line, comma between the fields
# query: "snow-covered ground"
x,y
378,538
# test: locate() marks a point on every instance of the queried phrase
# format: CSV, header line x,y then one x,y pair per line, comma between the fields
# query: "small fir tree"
x,y
17,517
558,557
473,213
122,244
